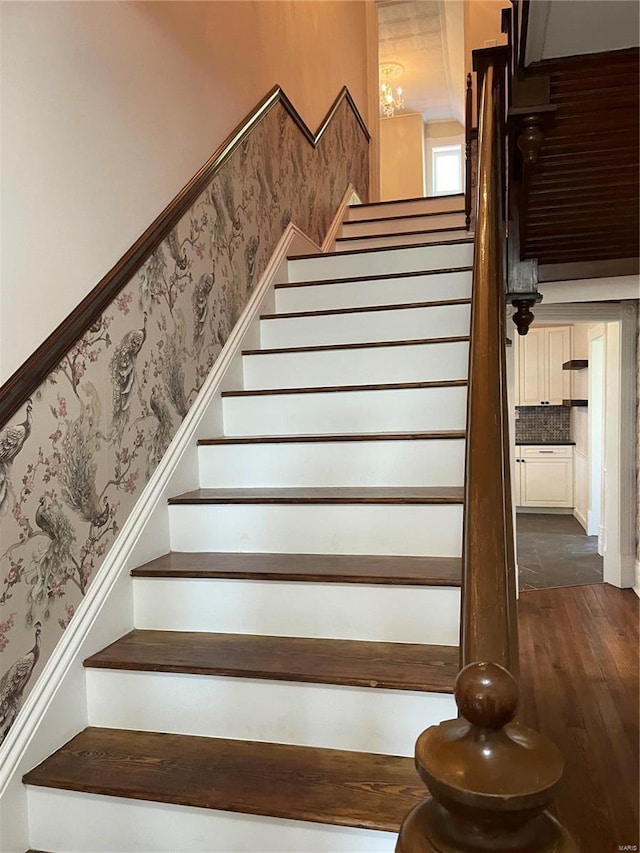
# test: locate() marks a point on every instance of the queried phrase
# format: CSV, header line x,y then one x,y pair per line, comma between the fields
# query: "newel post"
x,y
490,778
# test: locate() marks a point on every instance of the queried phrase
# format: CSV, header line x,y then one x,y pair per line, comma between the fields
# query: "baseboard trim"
x,y
350,197
109,597
580,518
545,510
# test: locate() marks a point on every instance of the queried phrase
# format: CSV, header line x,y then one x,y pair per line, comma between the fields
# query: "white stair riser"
x,y
407,223
71,822
404,208
376,241
381,291
430,462
393,614
321,715
395,324
315,413
403,529
379,263
416,363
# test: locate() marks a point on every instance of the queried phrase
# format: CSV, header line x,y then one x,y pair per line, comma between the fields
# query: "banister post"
x,y
468,129
490,778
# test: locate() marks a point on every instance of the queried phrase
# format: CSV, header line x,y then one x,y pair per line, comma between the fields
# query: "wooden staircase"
x,y
305,627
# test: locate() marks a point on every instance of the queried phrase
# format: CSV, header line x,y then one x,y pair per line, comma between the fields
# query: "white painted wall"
x,y
109,108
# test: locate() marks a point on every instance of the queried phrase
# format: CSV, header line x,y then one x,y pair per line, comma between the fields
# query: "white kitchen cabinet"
x,y
543,476
540,379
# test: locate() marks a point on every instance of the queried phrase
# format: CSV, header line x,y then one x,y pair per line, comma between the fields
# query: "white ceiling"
x,y
427,37
572,27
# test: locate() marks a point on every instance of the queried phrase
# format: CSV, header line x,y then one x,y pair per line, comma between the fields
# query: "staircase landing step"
x,y
310,568
327,786
347,495
395,666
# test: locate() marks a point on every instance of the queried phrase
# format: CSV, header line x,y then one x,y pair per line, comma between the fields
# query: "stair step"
x,y
438,359
375,262
374,289
405,206
346,496
360,309
309,568
337,389
366,324
415,603
395,666
399,238
452,339
408,222
322,692
381,460
327,786
312,439
392,407
310,256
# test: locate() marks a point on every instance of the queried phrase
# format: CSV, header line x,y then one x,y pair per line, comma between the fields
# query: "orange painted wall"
x,y
109,108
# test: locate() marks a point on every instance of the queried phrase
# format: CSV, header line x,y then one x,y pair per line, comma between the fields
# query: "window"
x,y
447,169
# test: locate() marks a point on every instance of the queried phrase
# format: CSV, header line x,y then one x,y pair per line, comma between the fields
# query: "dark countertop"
x,y
540,443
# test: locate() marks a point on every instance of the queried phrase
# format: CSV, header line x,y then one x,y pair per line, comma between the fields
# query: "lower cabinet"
x,y
543,476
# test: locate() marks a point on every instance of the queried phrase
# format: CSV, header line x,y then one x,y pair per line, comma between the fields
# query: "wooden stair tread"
x,y
400,233
405,200
309,568
325,495
334,389
313,255
329,786
397,666
403,216
365,278
328,437
366,309
452,339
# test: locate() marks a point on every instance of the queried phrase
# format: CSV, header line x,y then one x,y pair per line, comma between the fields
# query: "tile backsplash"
x,y
542,423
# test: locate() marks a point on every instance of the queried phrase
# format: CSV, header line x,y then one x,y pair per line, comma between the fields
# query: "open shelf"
x,y
574,403
576,364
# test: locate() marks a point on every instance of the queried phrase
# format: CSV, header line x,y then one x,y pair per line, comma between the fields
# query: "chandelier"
x,y
390,100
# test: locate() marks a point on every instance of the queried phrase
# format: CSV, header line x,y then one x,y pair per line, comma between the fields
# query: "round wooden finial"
x,y
486,695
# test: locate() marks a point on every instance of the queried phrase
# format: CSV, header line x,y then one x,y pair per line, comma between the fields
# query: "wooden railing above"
x,y
490,779
30,375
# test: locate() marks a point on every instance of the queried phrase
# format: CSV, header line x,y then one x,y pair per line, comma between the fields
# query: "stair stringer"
x,y
56,708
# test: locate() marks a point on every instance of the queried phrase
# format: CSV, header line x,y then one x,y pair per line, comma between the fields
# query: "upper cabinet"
x,y
539,356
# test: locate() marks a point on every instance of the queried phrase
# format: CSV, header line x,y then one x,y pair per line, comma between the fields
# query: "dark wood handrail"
x,y
490,779
485,616
32,373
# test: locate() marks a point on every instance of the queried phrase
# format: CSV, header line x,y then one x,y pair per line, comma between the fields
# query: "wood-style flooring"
x,y
579,677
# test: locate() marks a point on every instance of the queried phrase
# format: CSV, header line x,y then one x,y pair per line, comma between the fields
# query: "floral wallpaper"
x,y
75,459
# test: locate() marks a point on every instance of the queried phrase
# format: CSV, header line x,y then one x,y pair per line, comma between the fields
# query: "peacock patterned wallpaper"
x,y
75,459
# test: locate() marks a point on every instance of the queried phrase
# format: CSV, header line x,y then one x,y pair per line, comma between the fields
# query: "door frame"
x,y
620,504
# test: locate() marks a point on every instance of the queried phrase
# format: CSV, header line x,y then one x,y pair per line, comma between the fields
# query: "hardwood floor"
x,y
579,677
